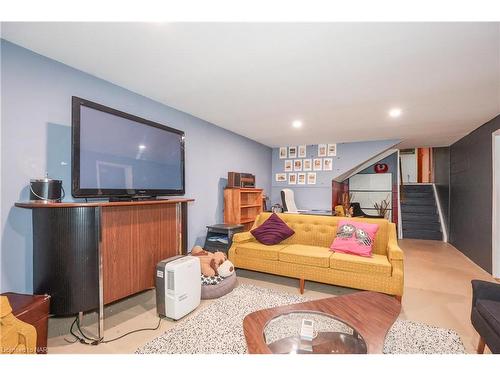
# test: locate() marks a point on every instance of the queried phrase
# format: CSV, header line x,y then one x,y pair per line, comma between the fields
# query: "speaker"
x,y
240,180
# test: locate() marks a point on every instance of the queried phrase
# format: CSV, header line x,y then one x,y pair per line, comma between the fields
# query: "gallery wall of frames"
x,y
301,164
309,169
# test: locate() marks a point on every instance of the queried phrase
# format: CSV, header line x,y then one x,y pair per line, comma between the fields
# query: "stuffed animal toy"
x,y
226,269
210,262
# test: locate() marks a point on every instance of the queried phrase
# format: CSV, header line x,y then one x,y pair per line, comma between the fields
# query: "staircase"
x,y
419,213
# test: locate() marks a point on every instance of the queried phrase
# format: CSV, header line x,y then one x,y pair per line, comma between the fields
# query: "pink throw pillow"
x,y
354,237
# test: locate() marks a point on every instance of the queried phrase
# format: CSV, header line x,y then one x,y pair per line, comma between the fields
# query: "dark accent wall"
x,y
471,179
441,167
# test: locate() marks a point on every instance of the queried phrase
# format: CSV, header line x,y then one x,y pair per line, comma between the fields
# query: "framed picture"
x,y
301,178
322,150
297,165
292,178
332,149
292,152
327,164
307,165
283,152
311,178
302,151
317,164
288,165
280,177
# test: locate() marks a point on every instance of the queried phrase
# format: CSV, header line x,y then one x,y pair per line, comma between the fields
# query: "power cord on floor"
x,y
83,339
137,330
71,331
92,340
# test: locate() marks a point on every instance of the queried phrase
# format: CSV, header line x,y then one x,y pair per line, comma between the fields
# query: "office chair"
x,y
288,201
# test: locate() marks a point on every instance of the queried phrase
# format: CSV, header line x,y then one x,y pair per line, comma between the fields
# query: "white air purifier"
x,y
178,286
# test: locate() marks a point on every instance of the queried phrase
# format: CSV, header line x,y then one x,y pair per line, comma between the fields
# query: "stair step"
x,y
422,216
405,209
419,220
418,188
426,225
423,234
417,194
419,201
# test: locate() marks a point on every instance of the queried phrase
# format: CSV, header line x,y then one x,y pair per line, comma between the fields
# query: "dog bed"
x,y
211,280
220,289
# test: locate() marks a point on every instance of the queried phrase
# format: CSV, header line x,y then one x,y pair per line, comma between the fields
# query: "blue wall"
x,y
319,196
36,117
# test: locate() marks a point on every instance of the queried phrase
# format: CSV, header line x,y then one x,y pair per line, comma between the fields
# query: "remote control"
x,y
307,329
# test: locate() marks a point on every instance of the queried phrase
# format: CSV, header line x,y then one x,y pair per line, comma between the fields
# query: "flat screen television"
x,y
116,154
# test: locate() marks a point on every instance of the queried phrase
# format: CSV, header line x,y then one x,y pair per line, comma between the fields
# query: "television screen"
x,y
118,154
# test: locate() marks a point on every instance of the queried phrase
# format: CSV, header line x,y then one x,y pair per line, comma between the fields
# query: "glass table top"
x,y
329,335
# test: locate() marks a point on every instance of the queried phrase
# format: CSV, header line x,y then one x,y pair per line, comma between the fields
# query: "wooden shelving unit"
x,y
242,206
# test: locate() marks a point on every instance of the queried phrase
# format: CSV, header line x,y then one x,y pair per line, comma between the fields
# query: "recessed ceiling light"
x,y
297,124
142,147
395,112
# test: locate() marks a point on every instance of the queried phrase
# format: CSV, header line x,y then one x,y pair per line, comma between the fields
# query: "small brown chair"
x,y
16,337
32,310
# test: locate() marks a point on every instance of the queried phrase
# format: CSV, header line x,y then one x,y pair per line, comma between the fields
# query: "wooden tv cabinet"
x,y
86,255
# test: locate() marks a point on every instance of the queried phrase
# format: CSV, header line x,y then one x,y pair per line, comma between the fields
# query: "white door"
x,y
409,167
496,205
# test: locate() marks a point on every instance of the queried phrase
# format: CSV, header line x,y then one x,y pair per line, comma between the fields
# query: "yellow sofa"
x,y
306,255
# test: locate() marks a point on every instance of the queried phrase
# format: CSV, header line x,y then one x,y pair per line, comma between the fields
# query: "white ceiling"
x,y
340,79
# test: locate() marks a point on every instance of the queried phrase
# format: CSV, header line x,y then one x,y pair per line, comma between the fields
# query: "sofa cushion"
x,y
490,311
307,255
272,231
258,251
378,264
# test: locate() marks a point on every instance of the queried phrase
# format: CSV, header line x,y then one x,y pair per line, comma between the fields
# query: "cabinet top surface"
x,y
250,190
225,226
41,204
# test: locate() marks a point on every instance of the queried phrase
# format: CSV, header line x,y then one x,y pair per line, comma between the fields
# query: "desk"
x,y
318,212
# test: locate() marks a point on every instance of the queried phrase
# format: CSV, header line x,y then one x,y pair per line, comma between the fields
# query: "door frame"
x,y
495,212
424,159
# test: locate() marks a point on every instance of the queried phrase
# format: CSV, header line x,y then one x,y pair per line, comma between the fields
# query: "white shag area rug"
x,y
218,328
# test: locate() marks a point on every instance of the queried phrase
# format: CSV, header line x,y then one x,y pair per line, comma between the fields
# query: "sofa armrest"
x,y
394,252
485,290
243,237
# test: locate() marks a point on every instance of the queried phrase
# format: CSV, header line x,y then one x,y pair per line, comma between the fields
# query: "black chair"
x,y
485,314
358,212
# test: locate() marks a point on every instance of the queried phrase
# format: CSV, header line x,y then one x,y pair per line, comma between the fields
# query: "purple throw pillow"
x,y
272,231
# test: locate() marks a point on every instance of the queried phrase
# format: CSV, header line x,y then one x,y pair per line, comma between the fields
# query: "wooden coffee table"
x,y
371,314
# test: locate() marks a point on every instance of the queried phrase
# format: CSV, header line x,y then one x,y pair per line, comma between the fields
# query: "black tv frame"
x,y
77,192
